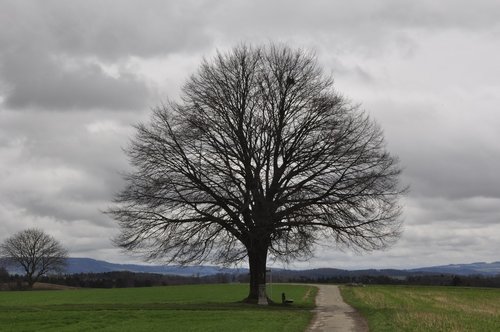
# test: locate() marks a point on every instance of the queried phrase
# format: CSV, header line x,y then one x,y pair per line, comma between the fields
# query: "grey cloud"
x,y
393,14
89,140
63,166
443,151
63,209
106,29
36,81
46,191
472,211
441,173
369,28
443,14
449,239
36,39
112,30
35,36
78,236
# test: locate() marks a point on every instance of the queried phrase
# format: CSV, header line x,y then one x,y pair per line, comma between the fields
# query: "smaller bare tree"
x,y
36,252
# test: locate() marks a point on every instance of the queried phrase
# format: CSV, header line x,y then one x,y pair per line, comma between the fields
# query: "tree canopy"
x,y
260,158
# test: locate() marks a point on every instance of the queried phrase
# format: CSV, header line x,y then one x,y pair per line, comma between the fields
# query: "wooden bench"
x,y
284,300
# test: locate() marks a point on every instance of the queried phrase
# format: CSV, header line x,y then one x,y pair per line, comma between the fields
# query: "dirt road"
x,y
332,314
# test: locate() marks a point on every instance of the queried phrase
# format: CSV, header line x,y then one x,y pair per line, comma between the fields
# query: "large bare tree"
x,y
36,252
261,159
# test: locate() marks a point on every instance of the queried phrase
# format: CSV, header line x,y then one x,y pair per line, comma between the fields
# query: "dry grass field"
x,y
411,308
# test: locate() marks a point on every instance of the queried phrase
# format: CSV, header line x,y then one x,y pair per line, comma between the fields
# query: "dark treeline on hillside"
x,y
417,280
117,279
124,279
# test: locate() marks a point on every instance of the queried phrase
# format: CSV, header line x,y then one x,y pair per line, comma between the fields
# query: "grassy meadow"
x,y
408,308
169,308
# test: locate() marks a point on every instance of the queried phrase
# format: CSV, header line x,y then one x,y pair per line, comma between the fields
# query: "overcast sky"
x,y
76,75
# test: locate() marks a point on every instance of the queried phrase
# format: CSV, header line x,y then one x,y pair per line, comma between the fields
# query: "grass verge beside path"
x,y
414,308
170,308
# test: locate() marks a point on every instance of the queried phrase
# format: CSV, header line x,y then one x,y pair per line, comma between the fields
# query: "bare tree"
x,y
36,252
260,159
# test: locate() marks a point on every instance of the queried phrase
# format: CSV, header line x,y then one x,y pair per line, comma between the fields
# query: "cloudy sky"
x,y
75,75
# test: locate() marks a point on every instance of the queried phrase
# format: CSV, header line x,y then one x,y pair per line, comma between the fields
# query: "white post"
x,y
262,295
270,282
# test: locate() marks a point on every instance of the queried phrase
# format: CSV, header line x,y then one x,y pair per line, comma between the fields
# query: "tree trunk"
x,y
257,258
30,280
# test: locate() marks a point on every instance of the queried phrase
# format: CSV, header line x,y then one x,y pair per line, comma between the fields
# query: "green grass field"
x,y
170,308
406,308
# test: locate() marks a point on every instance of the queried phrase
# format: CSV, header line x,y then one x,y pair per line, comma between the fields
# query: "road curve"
x,y
332,314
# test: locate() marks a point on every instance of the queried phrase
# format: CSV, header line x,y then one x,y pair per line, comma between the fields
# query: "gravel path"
x,y
332,314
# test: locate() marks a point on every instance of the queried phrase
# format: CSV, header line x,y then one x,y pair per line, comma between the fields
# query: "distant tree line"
x,y
117,279
126,279
417,280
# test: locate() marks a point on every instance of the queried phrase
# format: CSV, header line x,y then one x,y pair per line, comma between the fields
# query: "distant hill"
x,y
89,265
78,265
480,268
